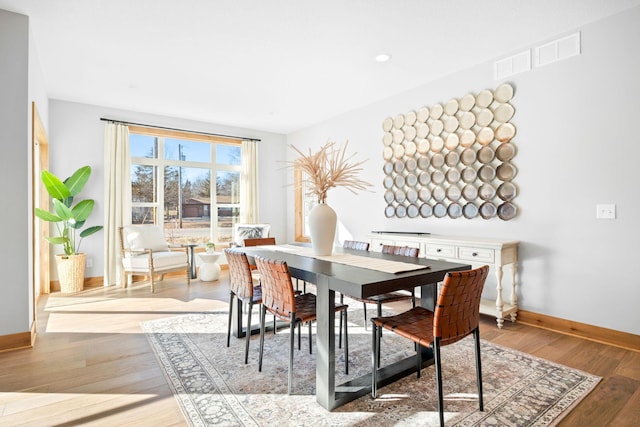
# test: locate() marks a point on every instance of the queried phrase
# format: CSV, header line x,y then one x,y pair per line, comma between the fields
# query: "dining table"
x,y
358,274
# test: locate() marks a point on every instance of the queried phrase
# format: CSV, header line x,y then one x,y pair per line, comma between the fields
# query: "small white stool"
x,y
209,270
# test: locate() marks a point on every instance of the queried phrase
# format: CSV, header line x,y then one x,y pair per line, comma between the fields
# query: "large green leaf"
x,y
46,215
82,210
76,182
91,230
58,240
56,188
62,210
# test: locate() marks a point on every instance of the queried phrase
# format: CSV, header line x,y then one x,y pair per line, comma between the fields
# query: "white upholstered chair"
x,y
249,231
145,251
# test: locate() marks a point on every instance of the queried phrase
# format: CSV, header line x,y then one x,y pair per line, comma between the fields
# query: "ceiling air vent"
x,y
518,63
557,50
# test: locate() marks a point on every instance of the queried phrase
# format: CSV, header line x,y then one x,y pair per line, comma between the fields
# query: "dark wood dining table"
x,y
330,277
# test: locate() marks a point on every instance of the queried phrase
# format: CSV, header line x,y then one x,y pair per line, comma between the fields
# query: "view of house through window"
x,y
171,176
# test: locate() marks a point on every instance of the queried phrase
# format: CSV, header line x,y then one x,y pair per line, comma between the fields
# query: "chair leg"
x,y
418,359
292,322
346,343
476,337
340,328
310,349
436,355
375,348
247,335
379,307
413,298
263,312
364,307
231,296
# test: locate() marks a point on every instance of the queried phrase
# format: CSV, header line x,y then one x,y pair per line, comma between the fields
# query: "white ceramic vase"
x,y
322,226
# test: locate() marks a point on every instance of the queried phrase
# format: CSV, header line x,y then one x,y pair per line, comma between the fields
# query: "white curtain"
x,y
249,183
117,197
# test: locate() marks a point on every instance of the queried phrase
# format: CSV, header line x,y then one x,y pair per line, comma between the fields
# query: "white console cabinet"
x,y
498,254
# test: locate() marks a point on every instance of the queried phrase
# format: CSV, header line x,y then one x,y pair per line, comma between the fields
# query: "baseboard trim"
x,y
89,282
18,341
624,340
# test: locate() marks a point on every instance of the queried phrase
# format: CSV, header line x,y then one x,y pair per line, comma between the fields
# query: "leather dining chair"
x,y
260,241
388,297
267,241
355,245
280,299
456,315
241,286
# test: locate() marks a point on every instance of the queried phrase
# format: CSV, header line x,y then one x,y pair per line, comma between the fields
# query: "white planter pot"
x,y
322,226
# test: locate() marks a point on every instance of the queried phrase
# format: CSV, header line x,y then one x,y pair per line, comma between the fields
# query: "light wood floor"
x,y
93,366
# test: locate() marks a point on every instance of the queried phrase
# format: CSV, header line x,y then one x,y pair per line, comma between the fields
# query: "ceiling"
x,y
276,65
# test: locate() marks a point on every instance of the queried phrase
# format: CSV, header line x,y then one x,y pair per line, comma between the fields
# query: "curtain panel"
x,y
249,183
117,197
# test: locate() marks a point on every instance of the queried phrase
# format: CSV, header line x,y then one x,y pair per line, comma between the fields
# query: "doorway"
x,y
40,231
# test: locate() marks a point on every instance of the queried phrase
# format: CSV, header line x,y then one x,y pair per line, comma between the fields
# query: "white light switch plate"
x,y
607,211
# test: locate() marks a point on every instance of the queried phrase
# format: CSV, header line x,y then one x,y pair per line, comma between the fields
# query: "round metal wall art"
x,y
453,159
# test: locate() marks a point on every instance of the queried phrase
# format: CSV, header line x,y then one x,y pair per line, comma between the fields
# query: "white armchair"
x,y
144,251
249,231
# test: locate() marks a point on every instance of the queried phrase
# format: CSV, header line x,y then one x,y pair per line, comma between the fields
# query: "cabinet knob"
x,y
438,250
474,254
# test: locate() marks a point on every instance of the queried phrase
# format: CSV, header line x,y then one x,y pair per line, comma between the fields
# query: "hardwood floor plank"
x,y
604,403
629,415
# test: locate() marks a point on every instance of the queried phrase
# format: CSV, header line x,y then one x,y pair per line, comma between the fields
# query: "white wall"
x,y
577,147
37,95
76,139
15,302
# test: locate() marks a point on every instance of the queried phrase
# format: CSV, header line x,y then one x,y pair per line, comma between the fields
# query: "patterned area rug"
x,y
214,387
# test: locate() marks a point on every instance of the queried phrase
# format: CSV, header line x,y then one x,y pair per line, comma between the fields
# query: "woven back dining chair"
x,y
280,299
260,241
390,297
457,315
242,286
355,245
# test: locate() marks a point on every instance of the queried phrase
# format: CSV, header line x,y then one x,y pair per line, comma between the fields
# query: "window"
x,y
303,204
171,176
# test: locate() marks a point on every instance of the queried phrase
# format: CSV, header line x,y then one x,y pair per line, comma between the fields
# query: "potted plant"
x,y
69,219
210,247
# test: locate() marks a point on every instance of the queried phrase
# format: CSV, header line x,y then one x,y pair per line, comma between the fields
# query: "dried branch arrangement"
x,y
330,167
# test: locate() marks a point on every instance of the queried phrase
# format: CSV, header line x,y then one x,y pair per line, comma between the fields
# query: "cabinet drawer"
x,y
476,254
440,251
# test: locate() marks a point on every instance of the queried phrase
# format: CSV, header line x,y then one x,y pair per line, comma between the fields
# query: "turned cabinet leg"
x,y
514,290
499,301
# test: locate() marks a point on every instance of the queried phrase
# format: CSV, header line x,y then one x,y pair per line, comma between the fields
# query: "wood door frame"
x,y
40,198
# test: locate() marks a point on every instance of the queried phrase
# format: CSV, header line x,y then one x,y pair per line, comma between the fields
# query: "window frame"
x,y
301,199
160,163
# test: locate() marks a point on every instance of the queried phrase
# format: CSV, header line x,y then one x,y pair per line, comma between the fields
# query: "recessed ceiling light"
x,y
383,57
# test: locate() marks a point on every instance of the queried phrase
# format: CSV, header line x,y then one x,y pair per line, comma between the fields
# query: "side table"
x,y
210,269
